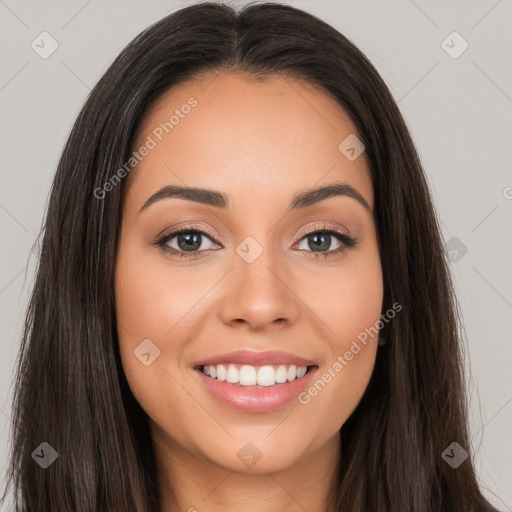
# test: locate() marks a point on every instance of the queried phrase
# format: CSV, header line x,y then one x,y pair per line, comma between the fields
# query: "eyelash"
x,y
346,241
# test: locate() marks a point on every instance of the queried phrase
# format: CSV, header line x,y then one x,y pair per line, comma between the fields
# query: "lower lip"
x,y
256,399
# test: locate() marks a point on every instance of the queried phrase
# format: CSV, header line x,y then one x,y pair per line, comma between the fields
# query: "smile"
x,y
248,375
255,389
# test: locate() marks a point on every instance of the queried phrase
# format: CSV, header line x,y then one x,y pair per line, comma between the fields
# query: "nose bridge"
x,y
257,293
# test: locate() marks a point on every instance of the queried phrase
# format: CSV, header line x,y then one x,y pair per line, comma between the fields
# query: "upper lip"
x,y
253,358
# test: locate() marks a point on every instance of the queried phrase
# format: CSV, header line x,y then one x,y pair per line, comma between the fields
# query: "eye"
x,y
191,241
319,240
187,242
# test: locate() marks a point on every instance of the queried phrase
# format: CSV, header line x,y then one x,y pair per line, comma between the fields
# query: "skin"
x,y
259,142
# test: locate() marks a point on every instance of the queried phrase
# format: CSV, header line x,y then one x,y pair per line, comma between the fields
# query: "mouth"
x,y
255,389
255,376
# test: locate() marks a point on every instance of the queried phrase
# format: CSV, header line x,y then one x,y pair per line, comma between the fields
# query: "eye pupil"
x,y
189,241
318,241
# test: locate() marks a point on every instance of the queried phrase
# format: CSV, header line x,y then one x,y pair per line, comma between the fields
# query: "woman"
x,y
243,300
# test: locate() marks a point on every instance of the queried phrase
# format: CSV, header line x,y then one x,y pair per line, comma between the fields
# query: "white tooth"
x,y
250,376
247,375
301,371
281,374
232,375
266,376
221,372
292,372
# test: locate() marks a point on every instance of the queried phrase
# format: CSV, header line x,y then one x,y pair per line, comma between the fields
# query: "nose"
x,y
259,294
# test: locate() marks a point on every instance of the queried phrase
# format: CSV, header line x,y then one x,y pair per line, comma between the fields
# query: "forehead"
x,y
262,140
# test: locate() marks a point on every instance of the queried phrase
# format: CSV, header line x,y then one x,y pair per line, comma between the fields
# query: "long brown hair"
x,y
70,389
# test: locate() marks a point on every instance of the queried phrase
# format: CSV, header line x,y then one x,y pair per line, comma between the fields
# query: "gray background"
x,y
458,111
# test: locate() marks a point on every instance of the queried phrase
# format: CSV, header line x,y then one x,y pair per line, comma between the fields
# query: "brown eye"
x,y
187,242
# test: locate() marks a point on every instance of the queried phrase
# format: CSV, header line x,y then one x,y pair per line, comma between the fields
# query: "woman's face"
x,y
247,286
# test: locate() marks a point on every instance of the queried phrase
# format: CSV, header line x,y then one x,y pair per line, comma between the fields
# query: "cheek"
x,y
349,302
150,300
161,305
359,301
147,307
349,299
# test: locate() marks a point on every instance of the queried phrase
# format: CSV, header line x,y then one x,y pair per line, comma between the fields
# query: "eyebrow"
x,y
220,200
